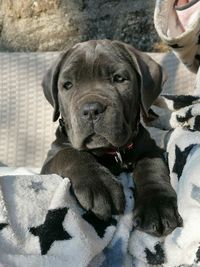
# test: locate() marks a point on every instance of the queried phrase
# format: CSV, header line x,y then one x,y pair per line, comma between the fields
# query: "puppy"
x,y
100,89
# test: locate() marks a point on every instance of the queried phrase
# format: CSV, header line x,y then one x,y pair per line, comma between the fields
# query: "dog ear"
x,y
150,74
50,85
151,77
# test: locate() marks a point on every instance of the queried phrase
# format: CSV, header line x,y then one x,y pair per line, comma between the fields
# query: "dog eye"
x,y
118,78
67,85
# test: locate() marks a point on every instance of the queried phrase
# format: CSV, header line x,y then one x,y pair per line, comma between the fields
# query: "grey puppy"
x,y
100,89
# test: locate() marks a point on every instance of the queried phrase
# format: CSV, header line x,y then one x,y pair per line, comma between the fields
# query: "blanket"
x,y
185,42
41,223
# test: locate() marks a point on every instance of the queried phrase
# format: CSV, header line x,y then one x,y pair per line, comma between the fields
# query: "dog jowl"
x,y
100,89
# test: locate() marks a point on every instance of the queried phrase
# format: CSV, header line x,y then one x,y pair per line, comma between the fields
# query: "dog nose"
x,y
92,110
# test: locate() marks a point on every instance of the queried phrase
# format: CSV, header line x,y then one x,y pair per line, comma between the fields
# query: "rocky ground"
x,y
46,25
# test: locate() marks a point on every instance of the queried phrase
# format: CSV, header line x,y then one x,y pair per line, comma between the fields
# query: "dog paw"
x,y
101,194
157,215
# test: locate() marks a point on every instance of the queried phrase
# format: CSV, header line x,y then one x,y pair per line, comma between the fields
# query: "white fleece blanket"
x,y
41,224
182,246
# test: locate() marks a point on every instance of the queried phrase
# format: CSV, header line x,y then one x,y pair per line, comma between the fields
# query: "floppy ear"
x,y
50,85
150,74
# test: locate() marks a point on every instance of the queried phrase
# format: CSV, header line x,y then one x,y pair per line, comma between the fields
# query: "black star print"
x,y
180,159
37,186
198,255
155,258
51,230
181,100
198,58
99,225
176,46
2,225
197,123
188,115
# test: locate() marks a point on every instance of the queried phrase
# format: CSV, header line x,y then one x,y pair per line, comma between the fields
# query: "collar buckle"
x,y
118,158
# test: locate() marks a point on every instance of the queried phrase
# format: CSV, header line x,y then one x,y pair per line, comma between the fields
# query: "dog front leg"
x,y
94,186
156,202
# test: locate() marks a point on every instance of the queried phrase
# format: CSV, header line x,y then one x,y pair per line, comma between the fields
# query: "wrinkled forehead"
x,y
96,57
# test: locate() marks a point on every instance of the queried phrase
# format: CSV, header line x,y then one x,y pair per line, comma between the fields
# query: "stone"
x,y
41,25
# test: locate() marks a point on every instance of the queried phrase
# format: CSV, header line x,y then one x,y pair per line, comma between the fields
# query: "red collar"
x,y
116,152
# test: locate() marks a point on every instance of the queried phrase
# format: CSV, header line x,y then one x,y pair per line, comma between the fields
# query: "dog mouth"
x,y
99,142
95,141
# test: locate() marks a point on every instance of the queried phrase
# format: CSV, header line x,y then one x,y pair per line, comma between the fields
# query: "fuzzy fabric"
x,y
41,224
184,42
182,246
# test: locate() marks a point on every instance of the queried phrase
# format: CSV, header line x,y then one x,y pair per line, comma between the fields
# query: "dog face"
x,y
99,104
99,88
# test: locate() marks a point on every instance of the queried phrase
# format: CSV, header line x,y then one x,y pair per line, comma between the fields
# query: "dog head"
x,y
100,88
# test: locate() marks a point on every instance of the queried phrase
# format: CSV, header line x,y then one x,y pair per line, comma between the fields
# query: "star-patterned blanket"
x,y
182,246
41,224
